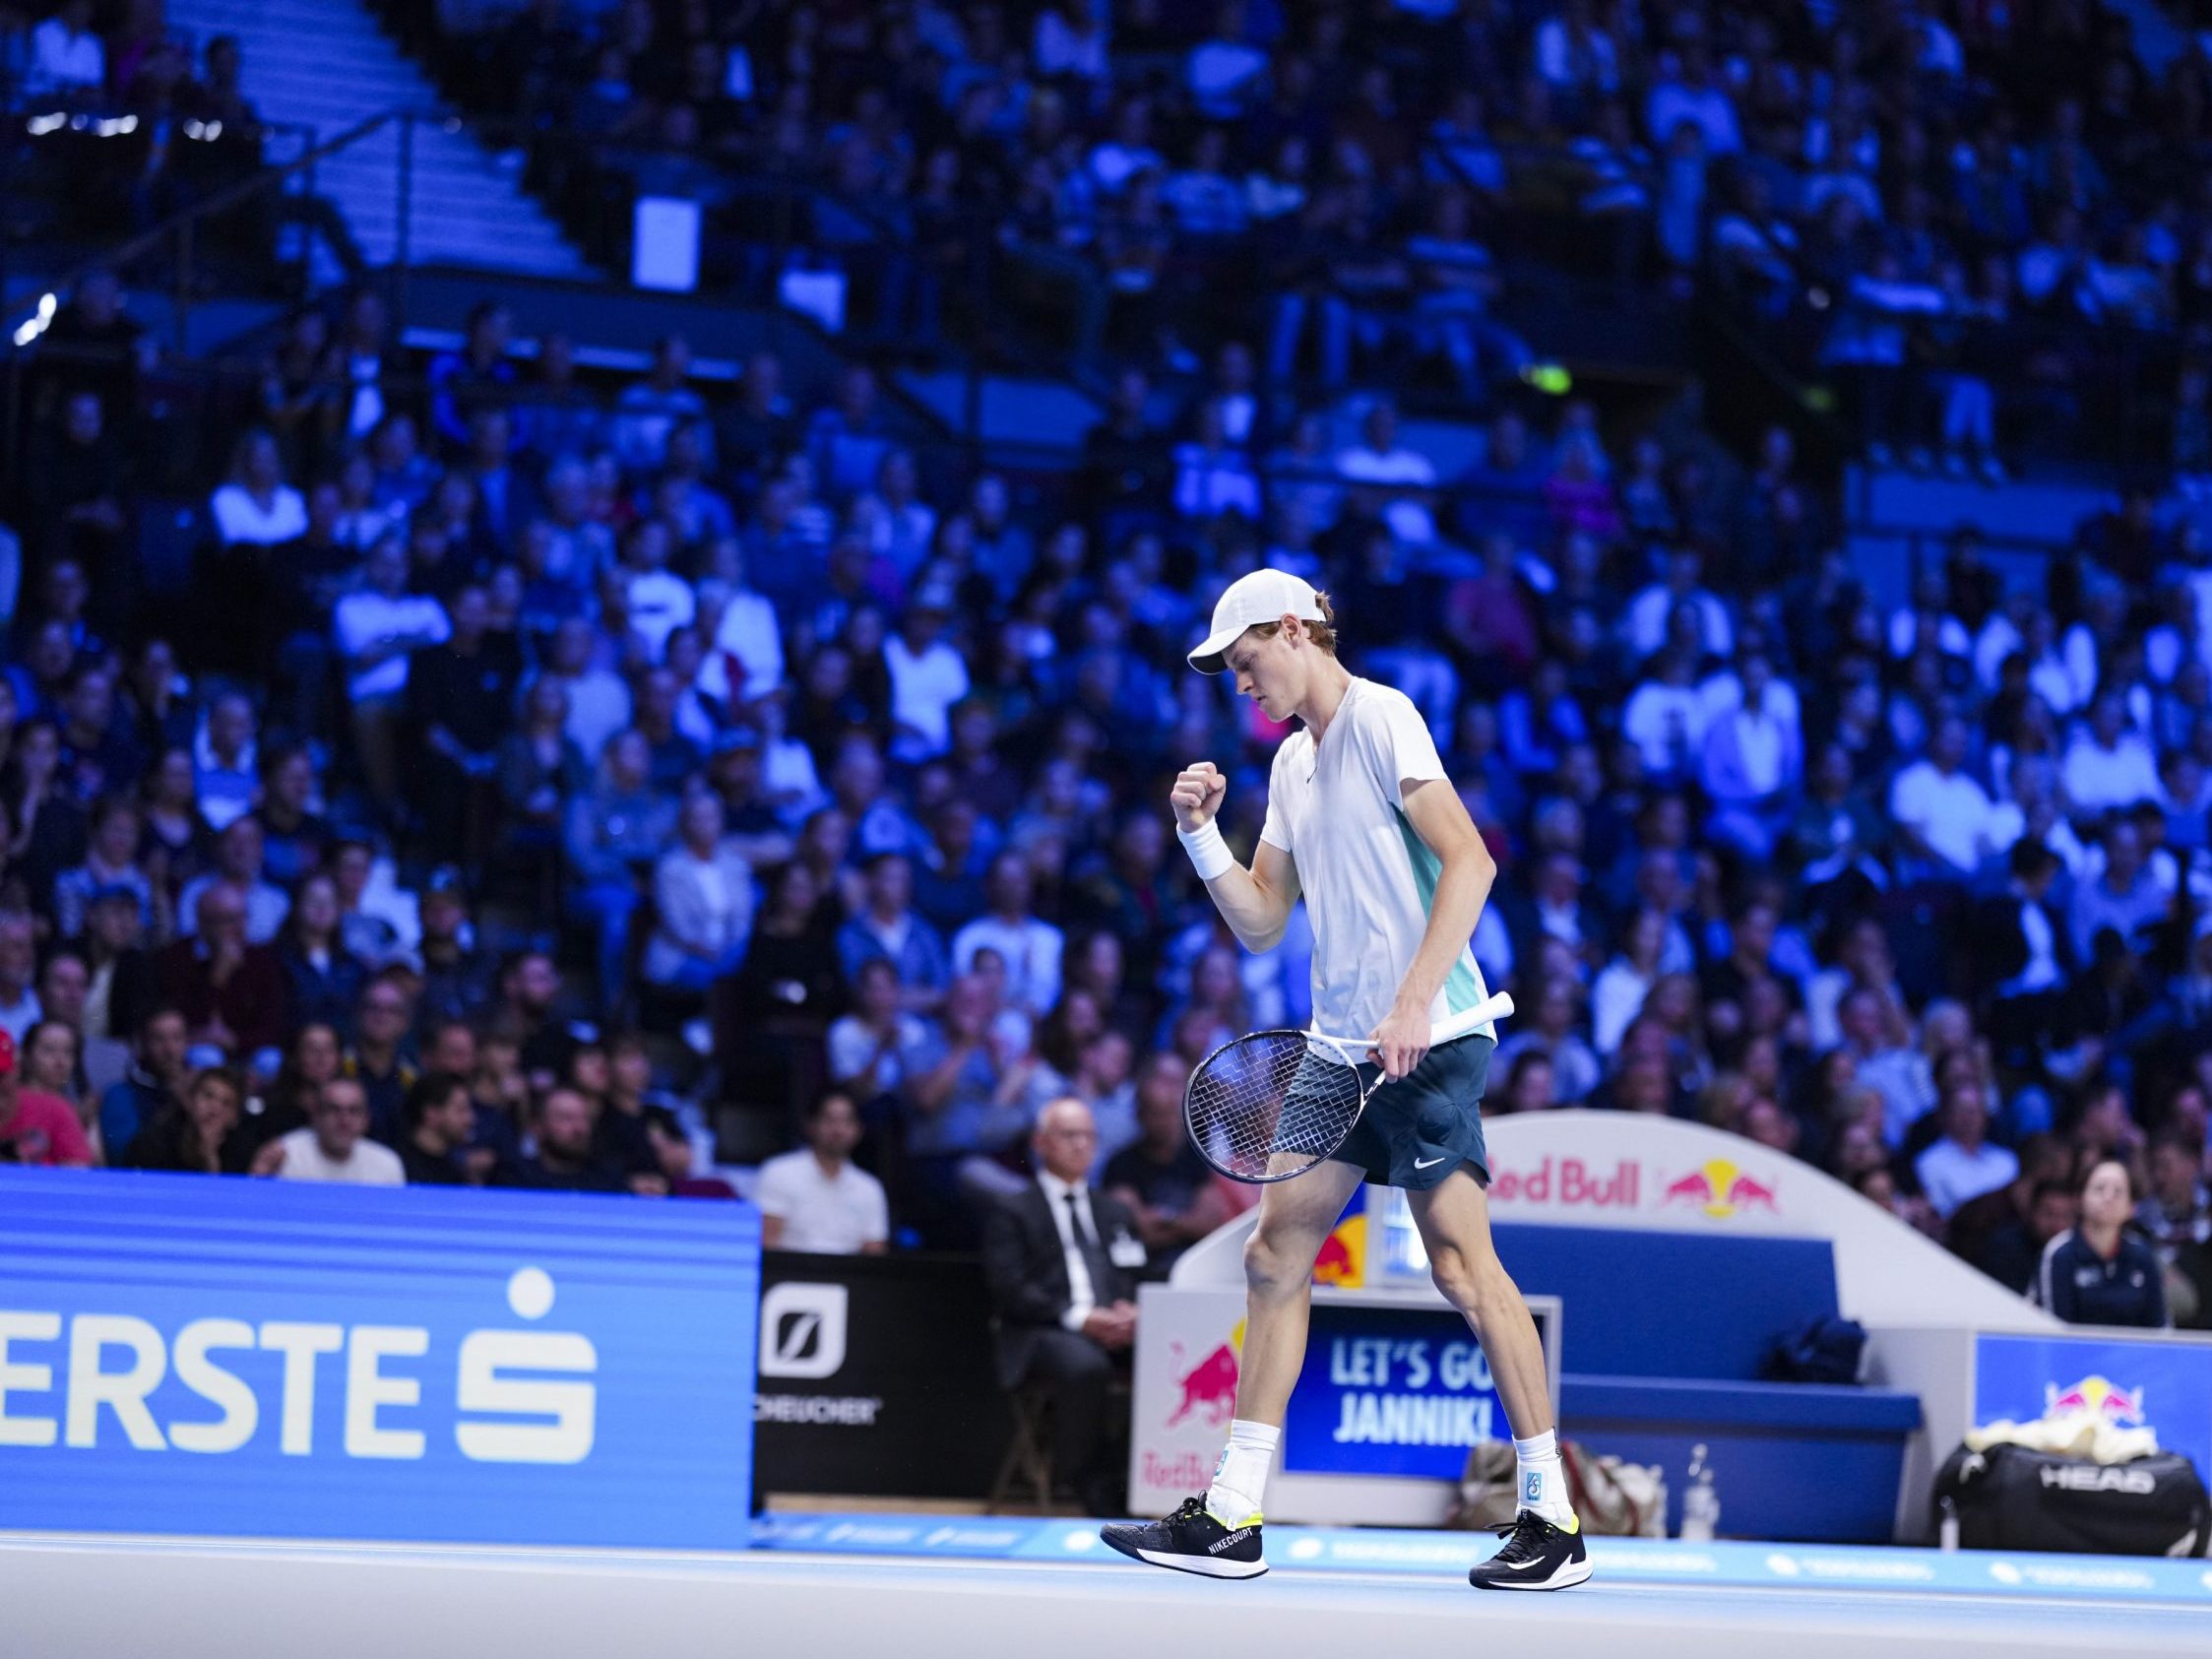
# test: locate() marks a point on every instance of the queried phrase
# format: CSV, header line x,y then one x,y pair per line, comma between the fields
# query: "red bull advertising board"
x,y
2141,1384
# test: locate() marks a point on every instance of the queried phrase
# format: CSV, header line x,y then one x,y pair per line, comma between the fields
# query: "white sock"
x,y
1240,1478
1540,1481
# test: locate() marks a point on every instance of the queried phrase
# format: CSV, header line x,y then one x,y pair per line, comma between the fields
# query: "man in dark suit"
x,y
1061,1257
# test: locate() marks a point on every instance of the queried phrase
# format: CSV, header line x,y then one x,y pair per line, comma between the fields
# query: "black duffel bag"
x,y
2010,1497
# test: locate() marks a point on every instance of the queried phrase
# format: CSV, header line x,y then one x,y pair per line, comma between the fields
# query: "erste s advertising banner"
x,y
195,1355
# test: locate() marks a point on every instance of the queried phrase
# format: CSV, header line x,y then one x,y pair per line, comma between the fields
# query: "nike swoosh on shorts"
x,y
1425,1163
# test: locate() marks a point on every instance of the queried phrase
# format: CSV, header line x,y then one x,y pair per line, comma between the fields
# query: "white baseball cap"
x,y
1264,596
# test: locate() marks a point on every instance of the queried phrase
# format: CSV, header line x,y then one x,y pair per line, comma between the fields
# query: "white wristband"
x,y
1209,852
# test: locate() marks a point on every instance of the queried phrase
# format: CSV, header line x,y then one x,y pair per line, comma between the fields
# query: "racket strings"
x,y
1272,1104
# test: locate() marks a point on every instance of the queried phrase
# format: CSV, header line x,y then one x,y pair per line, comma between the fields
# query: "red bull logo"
x,y
1209,1388
1720,1189
2108,1401
1340,1260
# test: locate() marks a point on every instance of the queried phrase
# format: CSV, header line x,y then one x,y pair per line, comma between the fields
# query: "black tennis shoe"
x,y
1537,1556
1191,1541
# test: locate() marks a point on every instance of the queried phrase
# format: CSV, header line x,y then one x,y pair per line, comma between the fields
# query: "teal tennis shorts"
x,y
1418,1131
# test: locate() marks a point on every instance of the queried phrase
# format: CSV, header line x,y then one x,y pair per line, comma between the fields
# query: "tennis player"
x,y
1362,822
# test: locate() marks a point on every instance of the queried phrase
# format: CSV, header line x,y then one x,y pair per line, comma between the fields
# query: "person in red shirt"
x,y
36,1127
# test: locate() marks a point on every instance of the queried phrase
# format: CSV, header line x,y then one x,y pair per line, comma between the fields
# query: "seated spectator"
x,y
2097,1272
869,1048
565,1160
1167,1187
1030,948
230,990
335,1145
206,1135
36,1127
110,861
154,1084
378,627
887,928
378,1056
815,1198
2109,766
1962,1165
650,411
1060,1257
2013,1254
1945,821
927,677
51,1063
238,862
457,972
322,980
438,1122
614,836
2126,896
224,779
702,900
257,507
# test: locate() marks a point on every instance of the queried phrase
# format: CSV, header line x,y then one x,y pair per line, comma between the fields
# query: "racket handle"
x,y
1498,1005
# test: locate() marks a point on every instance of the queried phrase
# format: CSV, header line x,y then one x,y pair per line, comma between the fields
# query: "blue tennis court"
x,y
924,1585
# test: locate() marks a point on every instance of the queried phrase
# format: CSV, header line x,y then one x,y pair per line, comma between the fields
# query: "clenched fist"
x,y
1197,794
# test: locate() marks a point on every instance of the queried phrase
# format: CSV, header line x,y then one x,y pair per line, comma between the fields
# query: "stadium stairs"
x,y
325,64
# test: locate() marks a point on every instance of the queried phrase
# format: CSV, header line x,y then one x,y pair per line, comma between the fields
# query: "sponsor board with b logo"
x,y
875,1377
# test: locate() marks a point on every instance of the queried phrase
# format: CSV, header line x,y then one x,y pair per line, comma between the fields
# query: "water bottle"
x,y
1947,1534
1701,1504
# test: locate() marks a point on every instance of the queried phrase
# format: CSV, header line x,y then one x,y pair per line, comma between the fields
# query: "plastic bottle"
x,y
1701,1504
1947,1534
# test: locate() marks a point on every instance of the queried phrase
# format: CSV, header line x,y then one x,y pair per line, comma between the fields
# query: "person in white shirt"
x,y
257,507
814,1199
2106,764
1653,609
66,56
378,630
1030,948
1378,458
1664,717
927,677
333,1146
703,896
660,601
1942,814
749,659
1962,1166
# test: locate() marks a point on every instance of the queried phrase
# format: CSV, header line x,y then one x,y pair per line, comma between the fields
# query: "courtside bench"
x,y
1662,1338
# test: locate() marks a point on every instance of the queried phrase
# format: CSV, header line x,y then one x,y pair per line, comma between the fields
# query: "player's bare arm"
x,y
1463,886
1256,901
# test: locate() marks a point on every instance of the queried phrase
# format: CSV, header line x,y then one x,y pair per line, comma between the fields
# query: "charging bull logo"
x,y
1719,1189
1209,1388
1341,1259
2108,1401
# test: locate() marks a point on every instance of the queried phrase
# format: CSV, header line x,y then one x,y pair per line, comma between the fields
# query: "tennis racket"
x,y
1273,1105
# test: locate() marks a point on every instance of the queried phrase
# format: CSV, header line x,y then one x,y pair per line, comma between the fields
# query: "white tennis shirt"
x,y
1368,877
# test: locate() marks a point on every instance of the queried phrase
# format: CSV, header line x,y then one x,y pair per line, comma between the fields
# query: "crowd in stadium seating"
x,y
857,757
868,766
1922,199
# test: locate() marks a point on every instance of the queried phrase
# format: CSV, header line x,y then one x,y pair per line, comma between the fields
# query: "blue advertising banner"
x,y
182,1353
1392,1391
2166,1386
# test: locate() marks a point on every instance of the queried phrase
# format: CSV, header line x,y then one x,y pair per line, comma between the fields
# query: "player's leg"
x,y
1546,1552
1294,1221
1454,1219
1219,1534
